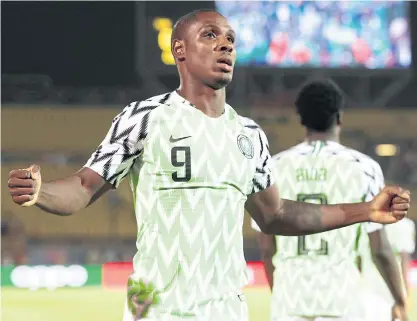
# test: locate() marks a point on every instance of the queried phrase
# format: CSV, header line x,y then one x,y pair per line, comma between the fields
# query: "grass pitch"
x,y
95,303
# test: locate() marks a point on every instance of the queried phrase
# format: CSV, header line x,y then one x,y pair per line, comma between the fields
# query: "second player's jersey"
x,y
190,176
316,275
401,236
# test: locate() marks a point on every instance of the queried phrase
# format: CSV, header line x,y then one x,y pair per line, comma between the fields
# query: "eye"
x,y
210,34
231,39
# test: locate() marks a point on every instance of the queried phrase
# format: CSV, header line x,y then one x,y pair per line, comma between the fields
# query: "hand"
x,y
141,296
390,205
399,313
140,309
24,185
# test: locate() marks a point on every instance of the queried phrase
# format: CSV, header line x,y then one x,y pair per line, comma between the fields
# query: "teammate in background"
x,y
315,277
401,236
194,165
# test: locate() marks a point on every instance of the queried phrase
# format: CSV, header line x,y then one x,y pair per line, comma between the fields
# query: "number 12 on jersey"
x,y
303,248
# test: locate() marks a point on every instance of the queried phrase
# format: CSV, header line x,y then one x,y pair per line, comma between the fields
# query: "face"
x,y
208,52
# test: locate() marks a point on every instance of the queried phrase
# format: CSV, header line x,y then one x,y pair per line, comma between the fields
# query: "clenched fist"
x,y
390,205
24,185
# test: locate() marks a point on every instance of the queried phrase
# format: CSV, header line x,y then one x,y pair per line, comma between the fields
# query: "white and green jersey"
x,y
190,176
316,275
401,236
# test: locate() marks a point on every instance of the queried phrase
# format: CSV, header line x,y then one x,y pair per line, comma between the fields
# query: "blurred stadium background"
x,y
69,67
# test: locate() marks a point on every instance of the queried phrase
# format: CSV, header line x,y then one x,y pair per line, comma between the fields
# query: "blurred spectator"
x,y
13,240
409,163
321,33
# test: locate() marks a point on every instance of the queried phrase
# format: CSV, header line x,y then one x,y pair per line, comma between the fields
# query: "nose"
x,y
225,45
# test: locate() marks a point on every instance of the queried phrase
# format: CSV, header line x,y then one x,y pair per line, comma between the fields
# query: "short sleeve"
x,y
263,177
123,143
404,237
375,183
410,243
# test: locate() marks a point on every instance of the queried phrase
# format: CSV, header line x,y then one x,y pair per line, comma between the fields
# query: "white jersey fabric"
x,y
190,176
316,275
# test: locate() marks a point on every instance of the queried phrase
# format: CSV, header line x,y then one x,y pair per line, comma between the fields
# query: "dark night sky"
x,y
73,42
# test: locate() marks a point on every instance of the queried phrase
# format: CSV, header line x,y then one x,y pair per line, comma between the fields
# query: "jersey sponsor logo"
x,y
245,146
174,140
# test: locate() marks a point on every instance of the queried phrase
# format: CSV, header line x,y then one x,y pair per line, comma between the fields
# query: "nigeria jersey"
x,y
190,176
316,275
401,236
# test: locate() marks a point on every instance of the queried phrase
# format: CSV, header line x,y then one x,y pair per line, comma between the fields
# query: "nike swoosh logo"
x,y
174,140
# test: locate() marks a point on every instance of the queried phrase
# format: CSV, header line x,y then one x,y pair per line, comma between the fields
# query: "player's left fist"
x,y
141,295
390,205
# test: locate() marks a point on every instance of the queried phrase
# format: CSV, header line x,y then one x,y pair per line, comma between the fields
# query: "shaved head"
x,y
182,24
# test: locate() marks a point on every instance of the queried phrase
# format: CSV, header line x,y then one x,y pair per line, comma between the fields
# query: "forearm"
x,y
299,218
63,197
269,269
267,246
405,262
389,269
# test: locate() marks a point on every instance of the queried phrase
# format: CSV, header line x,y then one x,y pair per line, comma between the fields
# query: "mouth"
x,y
225,63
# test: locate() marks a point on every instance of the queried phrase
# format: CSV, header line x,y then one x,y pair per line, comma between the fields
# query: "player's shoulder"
x,y
253,129
149,104
294,151
249,123
365,162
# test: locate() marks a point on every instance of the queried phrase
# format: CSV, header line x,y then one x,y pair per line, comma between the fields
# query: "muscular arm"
x,y
73,193
283,217
268,248
384,259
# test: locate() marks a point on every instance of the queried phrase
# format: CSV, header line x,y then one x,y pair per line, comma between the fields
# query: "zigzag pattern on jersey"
x,y
228,306
192,231
298,294
114,157
321,284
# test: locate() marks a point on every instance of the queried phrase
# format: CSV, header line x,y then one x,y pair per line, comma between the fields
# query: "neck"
x,y
208,100
327,136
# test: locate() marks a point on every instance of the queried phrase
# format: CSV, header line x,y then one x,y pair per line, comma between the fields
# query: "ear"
x,y
178,49
339,118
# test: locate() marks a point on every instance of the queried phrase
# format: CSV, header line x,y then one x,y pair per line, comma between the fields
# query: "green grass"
x,y
94,303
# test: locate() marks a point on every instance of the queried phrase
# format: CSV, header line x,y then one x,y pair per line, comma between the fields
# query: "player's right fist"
x,y
24,185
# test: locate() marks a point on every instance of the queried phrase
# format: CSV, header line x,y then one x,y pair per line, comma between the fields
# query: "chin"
x,y
221,82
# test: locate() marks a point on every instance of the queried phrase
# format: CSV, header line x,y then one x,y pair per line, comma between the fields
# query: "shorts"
x,y
232,307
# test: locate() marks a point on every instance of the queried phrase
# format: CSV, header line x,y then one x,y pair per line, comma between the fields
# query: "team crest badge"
x,y
245,146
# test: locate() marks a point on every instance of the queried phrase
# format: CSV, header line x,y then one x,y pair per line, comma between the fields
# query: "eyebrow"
x,y
210,25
